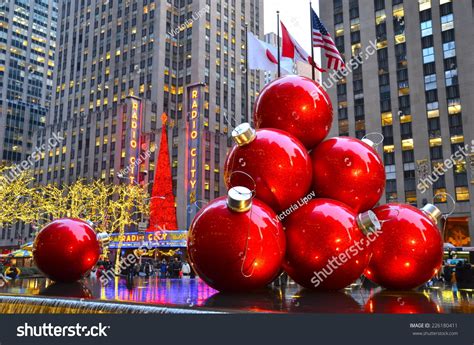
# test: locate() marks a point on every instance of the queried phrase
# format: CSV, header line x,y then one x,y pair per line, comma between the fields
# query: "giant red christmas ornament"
x,y
66,249
278,165
327,244
236,244
348,170
297,105
409,250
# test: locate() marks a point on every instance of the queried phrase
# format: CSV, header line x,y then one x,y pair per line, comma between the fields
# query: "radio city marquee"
x,y
133,139
193,148
160,239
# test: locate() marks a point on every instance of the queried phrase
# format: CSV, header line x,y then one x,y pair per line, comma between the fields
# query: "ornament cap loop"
x,y
433,212
373,143
244,134
368,222
239,199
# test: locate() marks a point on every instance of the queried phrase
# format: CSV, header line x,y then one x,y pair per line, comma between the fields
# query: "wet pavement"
x,y
194,293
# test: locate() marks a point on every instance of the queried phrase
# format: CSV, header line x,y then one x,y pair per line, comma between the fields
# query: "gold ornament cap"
x,y
103,238
239,199
244,134
368,222
433,212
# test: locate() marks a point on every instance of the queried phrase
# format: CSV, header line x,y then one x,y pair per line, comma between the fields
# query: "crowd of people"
x,y
175,268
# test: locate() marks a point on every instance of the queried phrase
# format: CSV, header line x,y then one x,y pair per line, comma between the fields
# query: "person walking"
x,y
186,269
176,268
163,268
147,269
136,269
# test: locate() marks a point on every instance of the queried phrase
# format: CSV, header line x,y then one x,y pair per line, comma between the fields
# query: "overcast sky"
x,y
294,14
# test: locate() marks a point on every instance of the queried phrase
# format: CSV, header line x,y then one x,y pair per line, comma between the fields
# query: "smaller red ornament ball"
x,y
327,245
66,249
270,161
409,250
348,170
297,105
236,244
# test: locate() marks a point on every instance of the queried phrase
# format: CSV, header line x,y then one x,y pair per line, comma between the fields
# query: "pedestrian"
x,y
163,268
147,269
186,269
176,268
136,269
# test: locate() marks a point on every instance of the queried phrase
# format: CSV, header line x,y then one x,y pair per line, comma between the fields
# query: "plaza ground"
x,y
195,295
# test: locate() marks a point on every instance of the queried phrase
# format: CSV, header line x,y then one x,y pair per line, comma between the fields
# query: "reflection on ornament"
x,y
410,302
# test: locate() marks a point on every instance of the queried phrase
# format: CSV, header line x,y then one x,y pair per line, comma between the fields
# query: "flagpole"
x,y
313,72
247,71
278,42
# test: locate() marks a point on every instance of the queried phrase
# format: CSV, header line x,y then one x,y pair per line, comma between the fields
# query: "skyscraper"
x,y
27,54
416,90
117,56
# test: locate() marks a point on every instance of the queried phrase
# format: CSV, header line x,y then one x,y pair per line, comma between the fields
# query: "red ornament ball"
x,y
326,247
278,164
409,250
66,249
348,170
236,250
297,105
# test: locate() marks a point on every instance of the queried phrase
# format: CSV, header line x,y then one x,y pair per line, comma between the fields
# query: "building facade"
x,y
27,54
415,89
116,54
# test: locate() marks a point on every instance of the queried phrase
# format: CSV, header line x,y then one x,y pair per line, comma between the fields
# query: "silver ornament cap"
x,y
239,199
433,212
368,222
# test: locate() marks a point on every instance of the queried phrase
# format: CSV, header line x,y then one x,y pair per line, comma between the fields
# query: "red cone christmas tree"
x,y
162,207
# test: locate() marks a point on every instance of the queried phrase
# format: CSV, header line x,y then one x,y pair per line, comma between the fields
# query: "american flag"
x,y
322,39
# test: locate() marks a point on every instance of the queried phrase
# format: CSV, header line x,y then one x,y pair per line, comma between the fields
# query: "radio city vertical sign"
x,y
132,139
193,138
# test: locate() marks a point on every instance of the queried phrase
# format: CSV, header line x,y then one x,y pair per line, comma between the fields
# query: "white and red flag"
x,y
263,56
293,50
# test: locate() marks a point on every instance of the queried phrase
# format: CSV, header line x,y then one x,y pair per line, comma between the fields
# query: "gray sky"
x,y
294,14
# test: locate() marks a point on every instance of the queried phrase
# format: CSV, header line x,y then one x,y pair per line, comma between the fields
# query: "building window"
x,y
428,55
426,28
449,50
462,193
430,82
447,22
424,5
410,197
